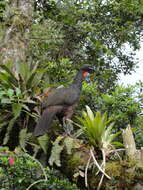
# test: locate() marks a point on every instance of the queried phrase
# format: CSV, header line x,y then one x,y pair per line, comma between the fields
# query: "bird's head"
x,y
86,70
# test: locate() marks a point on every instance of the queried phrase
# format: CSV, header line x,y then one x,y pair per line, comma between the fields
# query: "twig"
x,y
86,169
96,163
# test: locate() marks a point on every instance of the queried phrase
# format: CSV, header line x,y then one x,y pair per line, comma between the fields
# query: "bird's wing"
x,y
55,98
62,96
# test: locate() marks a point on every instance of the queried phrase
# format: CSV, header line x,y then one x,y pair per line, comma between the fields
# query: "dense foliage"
x,y
93,32
124,104
19,170
18,100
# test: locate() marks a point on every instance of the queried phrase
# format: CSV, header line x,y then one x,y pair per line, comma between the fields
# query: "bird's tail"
x,y
46,120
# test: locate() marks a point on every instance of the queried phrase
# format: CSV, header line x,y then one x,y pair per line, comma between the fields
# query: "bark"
x,y
18,23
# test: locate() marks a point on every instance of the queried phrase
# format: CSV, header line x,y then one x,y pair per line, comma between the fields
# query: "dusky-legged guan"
x,y
61,102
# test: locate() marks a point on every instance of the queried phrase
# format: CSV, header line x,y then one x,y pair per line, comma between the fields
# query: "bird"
x,y
62,102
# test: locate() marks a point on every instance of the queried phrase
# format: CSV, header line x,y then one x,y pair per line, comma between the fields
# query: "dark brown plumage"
x,y
61,102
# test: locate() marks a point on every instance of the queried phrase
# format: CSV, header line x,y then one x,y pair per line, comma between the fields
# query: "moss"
x,y
74,161
125,174
128,164
74,164
114,169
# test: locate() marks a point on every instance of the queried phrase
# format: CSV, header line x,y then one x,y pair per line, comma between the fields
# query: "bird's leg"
x,y
68,127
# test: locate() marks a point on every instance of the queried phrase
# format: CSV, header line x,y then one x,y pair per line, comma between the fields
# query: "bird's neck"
x,y
77,81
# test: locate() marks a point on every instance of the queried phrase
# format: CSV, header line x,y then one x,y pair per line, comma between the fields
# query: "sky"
x,y
137,75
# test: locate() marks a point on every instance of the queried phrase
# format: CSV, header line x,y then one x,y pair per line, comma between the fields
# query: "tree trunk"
x,y
18,23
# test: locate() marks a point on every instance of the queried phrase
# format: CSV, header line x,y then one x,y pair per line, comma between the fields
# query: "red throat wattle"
x,y
84,73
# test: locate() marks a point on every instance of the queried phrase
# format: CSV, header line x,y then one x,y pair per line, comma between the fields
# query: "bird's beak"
x,y
89,74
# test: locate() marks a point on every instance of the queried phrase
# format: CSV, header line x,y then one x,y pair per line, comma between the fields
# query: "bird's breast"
x,y
72,96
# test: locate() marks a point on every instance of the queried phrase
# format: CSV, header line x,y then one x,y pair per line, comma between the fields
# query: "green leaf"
x,y
9,128
23,137
97,129
25,107
6,101
35,78
18,92
90,113
3,124
16,109
10,92
11,77
118,144
44,141
23,70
